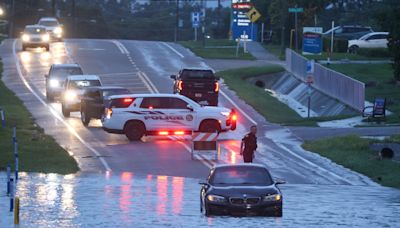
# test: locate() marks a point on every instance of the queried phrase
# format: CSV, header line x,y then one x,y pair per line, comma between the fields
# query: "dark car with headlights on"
x,y
94,100
56,77
241,189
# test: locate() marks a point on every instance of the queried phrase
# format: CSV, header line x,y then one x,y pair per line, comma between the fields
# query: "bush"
x,y
374,52
339,45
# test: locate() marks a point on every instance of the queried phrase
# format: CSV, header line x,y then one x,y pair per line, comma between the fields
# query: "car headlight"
x,y
25,38
273,198
45,37
54,83
70,96
58,30
215,198
226,114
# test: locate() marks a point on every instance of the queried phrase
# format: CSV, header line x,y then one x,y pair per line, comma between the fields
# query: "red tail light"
x,y
180,85
234,117
216,87
179,133
128,100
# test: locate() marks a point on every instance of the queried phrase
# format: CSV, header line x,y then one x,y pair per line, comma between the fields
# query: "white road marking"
x,y
54,112
173,49
91,49
121,47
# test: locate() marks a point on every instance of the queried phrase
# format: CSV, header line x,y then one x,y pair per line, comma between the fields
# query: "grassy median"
x,y
262,101
379,83
354,153
216,49
38,152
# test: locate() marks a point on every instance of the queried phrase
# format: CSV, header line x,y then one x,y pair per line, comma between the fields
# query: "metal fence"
x,y
332,83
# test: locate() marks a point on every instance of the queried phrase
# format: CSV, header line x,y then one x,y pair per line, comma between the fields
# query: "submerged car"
x,y
35,36
241,189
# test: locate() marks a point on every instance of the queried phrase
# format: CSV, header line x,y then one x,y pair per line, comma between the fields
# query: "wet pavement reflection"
x,y
127,200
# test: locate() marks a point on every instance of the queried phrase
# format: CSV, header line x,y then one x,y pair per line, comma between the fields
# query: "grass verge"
x,y
262,101
354,153
216,49
37,151
379,82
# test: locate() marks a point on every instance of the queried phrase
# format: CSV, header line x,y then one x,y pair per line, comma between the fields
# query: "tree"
x,y
389,19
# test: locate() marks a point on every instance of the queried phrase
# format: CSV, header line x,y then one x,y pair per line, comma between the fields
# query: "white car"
x,y
370,40
35,36
136,115
53,27
74,87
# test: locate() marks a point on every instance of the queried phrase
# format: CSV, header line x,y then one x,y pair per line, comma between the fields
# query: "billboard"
x,y
242,27
312,41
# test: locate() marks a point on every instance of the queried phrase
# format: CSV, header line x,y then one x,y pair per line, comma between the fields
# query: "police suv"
x,y
136,115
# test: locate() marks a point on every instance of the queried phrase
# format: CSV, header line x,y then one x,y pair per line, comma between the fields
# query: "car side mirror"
x,y
173,77
279,181
203,182
190,107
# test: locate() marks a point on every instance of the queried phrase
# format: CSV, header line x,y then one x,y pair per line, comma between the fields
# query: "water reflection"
x,y
162,198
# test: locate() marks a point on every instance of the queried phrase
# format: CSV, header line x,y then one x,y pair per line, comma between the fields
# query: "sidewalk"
x,y
127,200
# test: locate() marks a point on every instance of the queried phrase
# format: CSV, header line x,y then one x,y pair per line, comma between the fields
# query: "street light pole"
x,y
12,17
176,22
296,29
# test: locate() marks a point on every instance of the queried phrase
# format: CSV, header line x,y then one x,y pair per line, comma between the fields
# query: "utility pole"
x,y
74,17
296,30
12,21
53,7
176,22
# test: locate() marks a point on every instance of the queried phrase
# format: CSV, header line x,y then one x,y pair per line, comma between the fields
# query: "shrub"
x,y
374,52
339,45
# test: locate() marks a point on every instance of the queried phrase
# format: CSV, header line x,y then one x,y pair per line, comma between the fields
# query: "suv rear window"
x,y
197,74
63,72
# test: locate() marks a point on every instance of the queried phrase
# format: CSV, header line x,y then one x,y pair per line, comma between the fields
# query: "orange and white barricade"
x,y
205,142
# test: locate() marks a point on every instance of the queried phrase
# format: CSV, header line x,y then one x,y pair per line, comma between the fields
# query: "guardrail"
x,y
332,83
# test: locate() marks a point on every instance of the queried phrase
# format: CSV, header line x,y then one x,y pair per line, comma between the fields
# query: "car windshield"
x,y
64,72
110,92
49,23
78,84
35,30
197,74
241,175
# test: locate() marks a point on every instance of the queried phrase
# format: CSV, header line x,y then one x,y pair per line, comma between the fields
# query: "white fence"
x,y
332,83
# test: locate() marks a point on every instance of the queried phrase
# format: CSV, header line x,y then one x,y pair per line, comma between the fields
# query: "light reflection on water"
x,y
49,200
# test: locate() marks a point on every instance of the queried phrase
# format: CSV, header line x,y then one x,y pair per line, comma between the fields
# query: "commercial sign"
x,y
312,41
242,26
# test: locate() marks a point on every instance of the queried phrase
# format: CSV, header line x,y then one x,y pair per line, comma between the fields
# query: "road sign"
x,y
310,67
312,41
196,19
296,10
253,14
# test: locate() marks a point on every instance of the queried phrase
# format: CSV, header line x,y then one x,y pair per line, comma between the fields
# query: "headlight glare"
x,y
25,38
58,30
45,37
215,198
54,83
70,95
272,198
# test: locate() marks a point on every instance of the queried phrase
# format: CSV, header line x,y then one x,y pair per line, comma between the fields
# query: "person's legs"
x,y
247,157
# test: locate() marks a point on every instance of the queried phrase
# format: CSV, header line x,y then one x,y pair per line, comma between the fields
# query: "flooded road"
x,y
128,200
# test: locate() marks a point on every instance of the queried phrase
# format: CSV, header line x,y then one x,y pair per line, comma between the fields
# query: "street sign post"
x,y
310,81
195,23
241,21
296,10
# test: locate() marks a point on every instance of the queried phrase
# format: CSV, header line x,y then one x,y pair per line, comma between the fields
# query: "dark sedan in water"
x,y
240,189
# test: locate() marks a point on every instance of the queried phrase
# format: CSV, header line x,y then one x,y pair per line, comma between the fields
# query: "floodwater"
x,y
127,200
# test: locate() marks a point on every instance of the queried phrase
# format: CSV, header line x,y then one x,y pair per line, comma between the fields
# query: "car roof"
x,y
240,165
146,95
48,19
66,65
377,33
198,68
83,77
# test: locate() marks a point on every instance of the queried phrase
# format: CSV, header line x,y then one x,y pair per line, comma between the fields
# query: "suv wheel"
x,y
209,126
134,130
353,49
85,118
65,111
